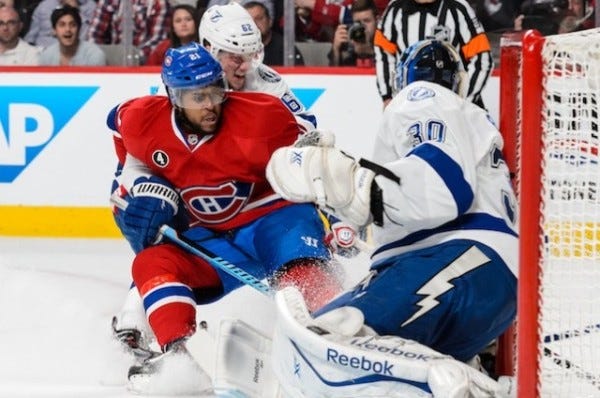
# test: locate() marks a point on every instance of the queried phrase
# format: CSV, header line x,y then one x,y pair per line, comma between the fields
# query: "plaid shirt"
x,y
150,23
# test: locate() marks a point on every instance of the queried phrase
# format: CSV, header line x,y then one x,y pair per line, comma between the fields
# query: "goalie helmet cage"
x,y
549,92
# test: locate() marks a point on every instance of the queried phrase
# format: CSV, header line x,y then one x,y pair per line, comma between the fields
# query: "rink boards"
x,y
56,153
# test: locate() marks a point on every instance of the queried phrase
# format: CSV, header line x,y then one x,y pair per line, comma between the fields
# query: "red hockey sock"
x,y
317,285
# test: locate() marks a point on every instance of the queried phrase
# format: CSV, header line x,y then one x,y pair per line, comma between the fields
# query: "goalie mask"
x,y
435,61
230,28
193,77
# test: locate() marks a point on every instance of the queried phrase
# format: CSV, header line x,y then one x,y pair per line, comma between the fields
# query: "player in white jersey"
x,y
230,34
445,222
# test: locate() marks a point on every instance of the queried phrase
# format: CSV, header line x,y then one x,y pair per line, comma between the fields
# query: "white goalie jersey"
x,y
453,179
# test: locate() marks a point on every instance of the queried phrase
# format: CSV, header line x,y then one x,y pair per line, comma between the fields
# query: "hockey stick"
x,y
579,372
558,359
214,260
572,333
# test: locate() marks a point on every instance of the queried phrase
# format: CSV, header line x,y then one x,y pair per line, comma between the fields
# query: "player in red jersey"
x,y
197,159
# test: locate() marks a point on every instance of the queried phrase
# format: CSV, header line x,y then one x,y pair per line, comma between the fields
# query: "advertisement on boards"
x,y
56,152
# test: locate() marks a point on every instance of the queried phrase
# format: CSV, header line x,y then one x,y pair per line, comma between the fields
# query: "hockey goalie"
x,y
443,275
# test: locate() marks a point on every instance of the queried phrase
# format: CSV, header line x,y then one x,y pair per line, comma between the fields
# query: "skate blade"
x,y
147,385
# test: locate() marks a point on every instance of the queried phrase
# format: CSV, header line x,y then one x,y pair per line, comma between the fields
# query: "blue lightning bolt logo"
x,y
440,283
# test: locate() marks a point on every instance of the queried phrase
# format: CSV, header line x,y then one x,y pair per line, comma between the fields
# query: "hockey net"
x,y
549,93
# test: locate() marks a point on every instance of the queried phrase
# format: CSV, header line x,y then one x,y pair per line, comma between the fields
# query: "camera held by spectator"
x,y
356,32
352,43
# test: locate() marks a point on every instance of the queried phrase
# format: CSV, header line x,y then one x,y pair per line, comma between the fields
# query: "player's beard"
x,y
203,122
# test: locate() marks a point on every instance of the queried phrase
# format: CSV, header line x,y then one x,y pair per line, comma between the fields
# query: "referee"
x,y
405,22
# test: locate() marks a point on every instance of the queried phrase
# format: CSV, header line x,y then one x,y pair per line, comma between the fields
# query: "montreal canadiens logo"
x,y
214,205
160,158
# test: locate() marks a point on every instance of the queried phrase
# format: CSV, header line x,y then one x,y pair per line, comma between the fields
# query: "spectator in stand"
x,y
183,30
272,40
353,44
269,4
70,50
317,19
579,16
25,9
150,24
496,15
41,31
406,22
555,18
13,49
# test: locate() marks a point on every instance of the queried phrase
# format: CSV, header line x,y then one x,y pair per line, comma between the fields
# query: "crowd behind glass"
x,y
341,27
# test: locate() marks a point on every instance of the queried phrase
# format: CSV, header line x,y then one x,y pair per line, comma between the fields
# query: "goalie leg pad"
x,y
311,360
244,361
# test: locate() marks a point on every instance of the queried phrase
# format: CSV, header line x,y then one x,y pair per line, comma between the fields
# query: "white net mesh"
x,y
570,277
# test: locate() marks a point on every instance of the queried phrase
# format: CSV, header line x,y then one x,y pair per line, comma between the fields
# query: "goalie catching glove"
x,y
326,176
150,203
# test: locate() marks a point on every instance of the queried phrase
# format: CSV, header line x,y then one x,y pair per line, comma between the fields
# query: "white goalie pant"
x,y
335,358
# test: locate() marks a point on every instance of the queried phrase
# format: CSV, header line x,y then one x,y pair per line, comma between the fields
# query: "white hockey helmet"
x,y
230,28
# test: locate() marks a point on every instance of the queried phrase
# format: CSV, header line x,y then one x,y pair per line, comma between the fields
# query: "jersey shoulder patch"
x,y
420,93
267,74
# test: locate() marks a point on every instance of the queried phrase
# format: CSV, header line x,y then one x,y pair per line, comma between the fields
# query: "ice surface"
x,y
57,298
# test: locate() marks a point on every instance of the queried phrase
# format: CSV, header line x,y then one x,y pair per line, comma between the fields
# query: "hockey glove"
x,y
323,175
151,202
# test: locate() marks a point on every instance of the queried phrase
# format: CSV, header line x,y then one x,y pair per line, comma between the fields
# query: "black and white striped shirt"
x,y
405,22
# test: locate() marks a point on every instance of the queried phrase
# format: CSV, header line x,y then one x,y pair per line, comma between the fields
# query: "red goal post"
x,y
549,117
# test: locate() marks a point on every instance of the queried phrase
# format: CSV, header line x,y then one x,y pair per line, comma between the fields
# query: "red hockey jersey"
x,y
221,177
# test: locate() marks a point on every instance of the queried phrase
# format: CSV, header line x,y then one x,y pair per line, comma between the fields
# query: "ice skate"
x,y
133,341
131,329
174,372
